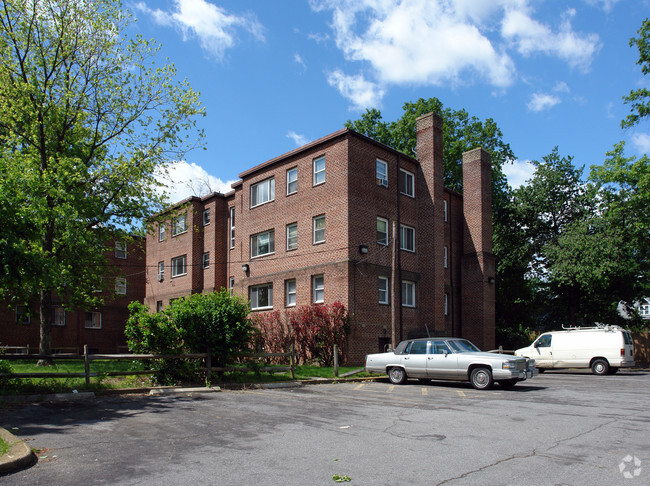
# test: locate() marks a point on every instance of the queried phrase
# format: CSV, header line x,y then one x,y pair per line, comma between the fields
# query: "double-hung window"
x,y
263,192
319,229
292,236
406,183
120,250
445,210
383,290
206,259
206,217
382,173
22,315
120,286
292,181
232,227
262,296
382,231
263,243
58,316
161,232
290,292
319,170
179,266
179,224
93,320
408,293
318,285
445,257
407,238
161,271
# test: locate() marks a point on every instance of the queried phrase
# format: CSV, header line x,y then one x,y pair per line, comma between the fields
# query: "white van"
x,y
603,348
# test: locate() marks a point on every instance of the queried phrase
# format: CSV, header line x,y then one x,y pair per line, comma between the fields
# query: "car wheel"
x,y
397,376
508,384
612,370
600,367
481,378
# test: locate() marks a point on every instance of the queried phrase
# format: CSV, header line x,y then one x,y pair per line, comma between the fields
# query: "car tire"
x,y
481,378
600,367
508,384
397,376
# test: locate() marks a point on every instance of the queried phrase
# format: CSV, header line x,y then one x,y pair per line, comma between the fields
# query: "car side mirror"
x,y
445,352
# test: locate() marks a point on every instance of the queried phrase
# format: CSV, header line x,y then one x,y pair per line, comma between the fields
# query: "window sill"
x,y
262,256
261,308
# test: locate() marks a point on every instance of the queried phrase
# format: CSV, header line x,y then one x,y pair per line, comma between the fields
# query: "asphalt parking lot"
x,y
561,428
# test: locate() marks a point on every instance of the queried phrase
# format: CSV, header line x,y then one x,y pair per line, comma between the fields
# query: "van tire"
x,y
600,366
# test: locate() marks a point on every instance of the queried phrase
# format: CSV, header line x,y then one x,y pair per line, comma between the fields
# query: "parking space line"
x,y
390,389
461,394
359,386
425,392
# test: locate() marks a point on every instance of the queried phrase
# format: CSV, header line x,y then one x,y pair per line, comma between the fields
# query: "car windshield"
x,y
463,346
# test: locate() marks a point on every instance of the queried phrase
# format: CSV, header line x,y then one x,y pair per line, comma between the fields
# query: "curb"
x,y
19,454
183,391
51,397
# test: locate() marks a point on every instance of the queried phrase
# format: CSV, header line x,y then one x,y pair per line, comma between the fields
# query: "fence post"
x,y
336,360
87,364
292,362
208,365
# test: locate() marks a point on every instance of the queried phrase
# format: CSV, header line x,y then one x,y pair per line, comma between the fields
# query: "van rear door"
x,y
628,347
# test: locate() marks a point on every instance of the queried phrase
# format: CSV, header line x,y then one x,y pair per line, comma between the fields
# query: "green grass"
x,y
4,446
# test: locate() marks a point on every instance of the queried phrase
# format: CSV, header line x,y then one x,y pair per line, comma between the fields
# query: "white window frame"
x,y
383,288
205,260
161,232
445,257
408,293
319,173
159,306
183,260
403,231
231,286
120,250
179,224
58,316
161,271
445,210
257,197
254,296
446,304
292,181
644,310
255,246
120,285
232,227
385,240
382,173
318,289
95,320
206,216
407,183
292,241
290,293
22,318
317,231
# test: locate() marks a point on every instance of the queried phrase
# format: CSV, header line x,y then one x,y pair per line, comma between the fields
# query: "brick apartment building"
x,y
347,219
102,328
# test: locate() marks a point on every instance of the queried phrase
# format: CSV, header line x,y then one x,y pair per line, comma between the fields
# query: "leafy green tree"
x,y
87,117
639,99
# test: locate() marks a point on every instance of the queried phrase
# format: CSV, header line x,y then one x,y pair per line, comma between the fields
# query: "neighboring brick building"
x,y
102,329
316,225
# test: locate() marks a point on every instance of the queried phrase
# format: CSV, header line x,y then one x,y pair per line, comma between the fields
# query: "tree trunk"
x,y
45,345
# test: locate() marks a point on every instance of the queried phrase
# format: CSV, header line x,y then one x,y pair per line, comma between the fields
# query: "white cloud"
x,y
561,87
184,179
542,101
297,58
298,139
642,142
606,5
213,26
362,93
518,172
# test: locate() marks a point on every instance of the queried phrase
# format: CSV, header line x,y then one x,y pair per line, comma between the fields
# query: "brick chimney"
x,y
478,266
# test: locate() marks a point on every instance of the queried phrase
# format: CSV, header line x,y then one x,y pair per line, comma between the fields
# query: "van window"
x,y
544,341
627,338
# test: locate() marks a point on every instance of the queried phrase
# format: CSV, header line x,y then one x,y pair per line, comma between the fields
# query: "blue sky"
x,y
274,75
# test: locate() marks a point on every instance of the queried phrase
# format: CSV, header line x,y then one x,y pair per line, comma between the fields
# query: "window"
x,y
446,304
58,316
161,271
444,211
231,286
159,306
22,315
445,257
263,244
232,227
544,341
179,266
292,236
383,290
407,238
120,250
382,231
262,297
644,310
318,284
263,192
206,217
418,347
319,229
161,232
319,170
406,183
179,224
290,293
292,181
408,293
206,260
382,173
93,320
120,285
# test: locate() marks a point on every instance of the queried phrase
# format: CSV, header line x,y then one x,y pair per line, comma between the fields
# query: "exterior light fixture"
x,y
363,249
245,268
491,280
